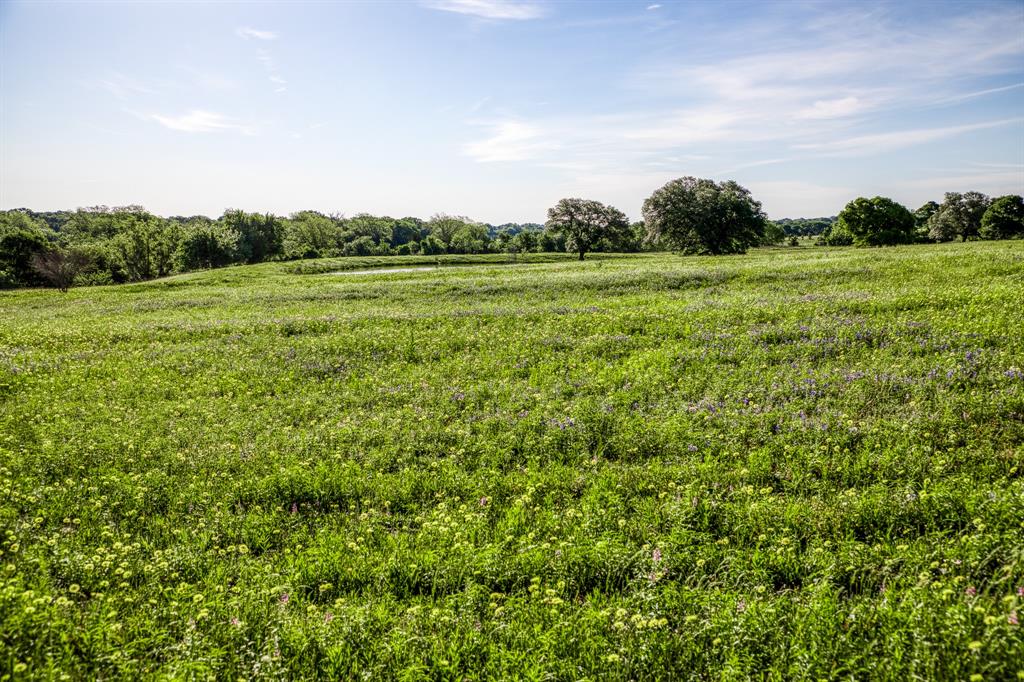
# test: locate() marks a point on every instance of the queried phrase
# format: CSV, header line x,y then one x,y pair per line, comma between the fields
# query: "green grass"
x,y
794,464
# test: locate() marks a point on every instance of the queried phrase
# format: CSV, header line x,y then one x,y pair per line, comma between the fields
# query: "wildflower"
x,y
285,598
1012,618
971,591
234,621
328,617
656,554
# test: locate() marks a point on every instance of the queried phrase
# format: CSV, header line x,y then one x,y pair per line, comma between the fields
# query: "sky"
x,y
496,109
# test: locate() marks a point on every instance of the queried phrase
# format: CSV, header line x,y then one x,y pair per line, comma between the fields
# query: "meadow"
x,y
793,464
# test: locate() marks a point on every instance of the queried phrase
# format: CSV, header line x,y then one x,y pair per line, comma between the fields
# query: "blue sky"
x,y
496,110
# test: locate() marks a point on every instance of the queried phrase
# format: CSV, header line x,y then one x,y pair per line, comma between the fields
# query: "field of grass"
x,y
794,464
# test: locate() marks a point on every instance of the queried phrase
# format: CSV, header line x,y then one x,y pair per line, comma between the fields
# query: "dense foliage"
x,y
701,216
102,245
130,244
797,464
585,224
879,221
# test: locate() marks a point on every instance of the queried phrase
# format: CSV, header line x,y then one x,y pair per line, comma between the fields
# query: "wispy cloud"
x,y
979,93
512,141
823,101
489,9
867,145
248,32
123,87
651,7
273,74
198,121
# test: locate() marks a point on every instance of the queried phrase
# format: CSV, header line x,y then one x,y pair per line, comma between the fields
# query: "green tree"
x,y
59,267
835,235
145,246
958,216
584,222
921,217
1004,219
207,244
696,215
774,233
261,235
878,221
310,234
18,247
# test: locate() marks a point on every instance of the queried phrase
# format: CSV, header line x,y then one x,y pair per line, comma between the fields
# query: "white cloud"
x,y
249,32
489,9
511,141
650,7
866,145
198,121
832,108
122,87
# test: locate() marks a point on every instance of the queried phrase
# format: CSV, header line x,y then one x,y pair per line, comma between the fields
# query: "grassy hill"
x,y
796,464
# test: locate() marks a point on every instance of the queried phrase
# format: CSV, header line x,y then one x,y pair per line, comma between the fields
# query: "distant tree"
x,y
18,247
879,221
59,267
444,227
835,234
526,241
697,215
432,246
921,217
207,244
380,229
774,233
310,234
360,246
958,216
407,230
1004,219
583,223
145,246
470,238
261,236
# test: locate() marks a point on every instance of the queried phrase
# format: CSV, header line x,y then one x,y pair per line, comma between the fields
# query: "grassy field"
x,y
794,464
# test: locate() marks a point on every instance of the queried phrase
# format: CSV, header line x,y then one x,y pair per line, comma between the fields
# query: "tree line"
x,y
103,245
881,221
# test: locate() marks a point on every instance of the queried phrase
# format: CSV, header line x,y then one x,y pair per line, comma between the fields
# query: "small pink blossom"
x,y
1012,618
971,591
656,555
285,598
1020,591
295,507
328,617
236,622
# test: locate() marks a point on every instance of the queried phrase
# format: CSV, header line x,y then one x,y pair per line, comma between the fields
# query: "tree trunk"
x,y
581,254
